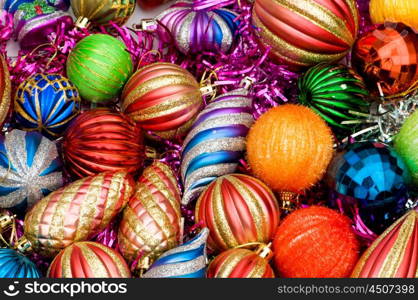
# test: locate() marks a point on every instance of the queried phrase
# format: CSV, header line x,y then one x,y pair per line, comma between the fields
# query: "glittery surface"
x,y
30,168
5,90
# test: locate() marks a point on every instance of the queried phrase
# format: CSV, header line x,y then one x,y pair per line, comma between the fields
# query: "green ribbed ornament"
x,y
99,67
337,94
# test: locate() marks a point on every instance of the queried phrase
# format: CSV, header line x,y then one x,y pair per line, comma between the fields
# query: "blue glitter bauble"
x,y
46,103
376,177
16,265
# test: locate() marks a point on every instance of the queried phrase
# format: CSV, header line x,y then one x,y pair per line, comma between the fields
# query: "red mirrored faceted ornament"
x,y
102,140
388,56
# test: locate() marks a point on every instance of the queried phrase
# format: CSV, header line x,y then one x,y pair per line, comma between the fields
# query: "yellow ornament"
x,y
405,11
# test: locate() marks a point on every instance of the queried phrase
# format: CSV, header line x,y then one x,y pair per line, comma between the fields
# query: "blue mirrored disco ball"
x,y
375,177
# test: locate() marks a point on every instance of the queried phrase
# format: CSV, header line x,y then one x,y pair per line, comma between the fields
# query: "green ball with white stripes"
x,y
99,67
336,93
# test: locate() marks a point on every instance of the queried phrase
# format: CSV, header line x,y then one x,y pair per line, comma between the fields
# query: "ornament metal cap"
x,y
148,25
264,251
82,22
6,221
23,245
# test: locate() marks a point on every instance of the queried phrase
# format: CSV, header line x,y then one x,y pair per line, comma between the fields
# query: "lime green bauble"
x,y
99,66
406,144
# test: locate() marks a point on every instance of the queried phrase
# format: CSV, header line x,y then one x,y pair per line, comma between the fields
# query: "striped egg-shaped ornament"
x,y
102,140
77,211
186,261
99,66
30,168
162,98
237,209
5,90
394,254
216,142
304,33
101,12
150,223
197,26
15,265
88,260
240,263
46,103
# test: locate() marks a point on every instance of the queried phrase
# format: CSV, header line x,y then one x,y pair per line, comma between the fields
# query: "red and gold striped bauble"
x,y
151,221
394,254
163,98
88,260
77,211
101,140
237,209
5,90
304,33
239,263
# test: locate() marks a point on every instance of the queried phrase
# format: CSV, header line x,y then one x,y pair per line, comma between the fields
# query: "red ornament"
x,y
88,260
102,140
237,209
151,3
315,242
303,33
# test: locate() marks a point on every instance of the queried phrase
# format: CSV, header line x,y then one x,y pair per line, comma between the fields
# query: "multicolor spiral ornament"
x,y
304,33
88,260
101,12
197,27
216,142
5,90
150,223
337,94
46,103
163,98
395,252
186,261
77,211
16,265
237,209
30,168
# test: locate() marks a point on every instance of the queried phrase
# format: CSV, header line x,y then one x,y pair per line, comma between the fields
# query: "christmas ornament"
x,y
373,176
150,223
88,260
12,5
394,254
315,242
46,103
99,66
237,209
337,94
103,140
77,211
30,168
242,263
404,11
5,90
197,28
163,98
34,21
60,4
406,143
387,58
16,265
150,3
216,142
304,33
186,261
289,148
101,12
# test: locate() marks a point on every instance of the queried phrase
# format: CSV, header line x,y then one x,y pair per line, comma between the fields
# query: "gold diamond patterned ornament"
x,y
101,12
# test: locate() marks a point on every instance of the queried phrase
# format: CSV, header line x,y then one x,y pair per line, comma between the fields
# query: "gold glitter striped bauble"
x,y
237,209
163,98
5,90
76,212
304,33
88,260
101,12
151,221
395,252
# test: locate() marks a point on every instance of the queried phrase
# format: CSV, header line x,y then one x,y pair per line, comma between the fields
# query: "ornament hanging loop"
x,y
247,82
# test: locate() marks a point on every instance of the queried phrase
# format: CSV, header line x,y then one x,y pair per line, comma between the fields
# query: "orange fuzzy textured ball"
x,y
315,242
289,148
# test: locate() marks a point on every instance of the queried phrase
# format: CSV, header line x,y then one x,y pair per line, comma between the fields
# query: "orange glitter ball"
x,y
315,242
289,148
